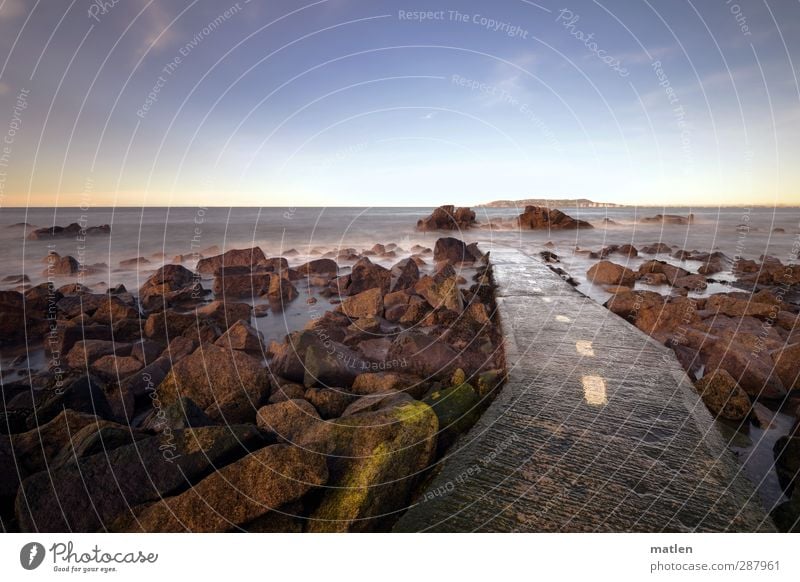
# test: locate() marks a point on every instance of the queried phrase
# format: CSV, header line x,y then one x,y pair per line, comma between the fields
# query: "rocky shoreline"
x,y
167,410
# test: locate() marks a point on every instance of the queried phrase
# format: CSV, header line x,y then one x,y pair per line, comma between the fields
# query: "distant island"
x,y
550,203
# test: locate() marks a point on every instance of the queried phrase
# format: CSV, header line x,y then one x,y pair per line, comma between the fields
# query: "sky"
x,y
387,103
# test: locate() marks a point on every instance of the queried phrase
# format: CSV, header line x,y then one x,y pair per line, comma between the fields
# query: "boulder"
x,y
457,409
326,267
656,249
87,496
281,290
287,420
539,217
237,494
241,282
671,272
249,258
170,285
85,352
423,355
112,366
225,313
608,273
445,294
787,365
380,401
227,384
723,396
331,364
329,402
447,218
183,413
733,307
668,219
755,375
113,309
405,274
375,461
12,316
244,337
366,275
451,250
61,266
366,304
168,324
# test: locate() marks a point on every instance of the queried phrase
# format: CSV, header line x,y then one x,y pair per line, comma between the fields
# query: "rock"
x,y
137,262
378,401
451,250
332,364
241,282
538,217
168,324
225,313
71,230
656,249
12,316
330,402
242,336
288,358
87,496
116,366
756,376
787,461
366,275
250,258
85,352
83,394
146,351
183,413
723,396
61,266
168,286
457,410
671,272
692,282
113,309
725,305
405,274
227,384
447,218
366,304
787,365
325,267
423,355
668,219
281,291
237,494
444,295
608,273
375,461
654,279
287,420
287,391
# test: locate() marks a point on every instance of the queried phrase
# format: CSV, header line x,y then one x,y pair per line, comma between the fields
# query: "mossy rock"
x,y
457,409
375,461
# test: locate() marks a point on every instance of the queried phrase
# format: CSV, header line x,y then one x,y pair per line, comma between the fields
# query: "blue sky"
x,y
363,103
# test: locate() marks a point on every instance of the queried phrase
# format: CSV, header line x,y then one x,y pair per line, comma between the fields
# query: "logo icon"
x,y
31,555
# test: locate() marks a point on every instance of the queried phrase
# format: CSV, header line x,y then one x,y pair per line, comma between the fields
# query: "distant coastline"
x,y
551,203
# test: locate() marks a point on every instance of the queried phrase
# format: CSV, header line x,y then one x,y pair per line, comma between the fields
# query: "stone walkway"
x,y
597,429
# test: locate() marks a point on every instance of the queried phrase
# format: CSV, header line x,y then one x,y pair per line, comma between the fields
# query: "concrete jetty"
x,y
597,429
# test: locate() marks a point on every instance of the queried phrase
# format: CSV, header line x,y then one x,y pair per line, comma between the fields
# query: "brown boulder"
x,y
538,217
723,396
671,272
227,384
241,282
250,258
170,285
447,218
366,275
405,274
787,365
366,304
755,375
608,273
244,337
452,250
288,419
225,313
236,494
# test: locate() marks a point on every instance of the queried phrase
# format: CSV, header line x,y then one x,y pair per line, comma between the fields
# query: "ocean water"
x,y
159,234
